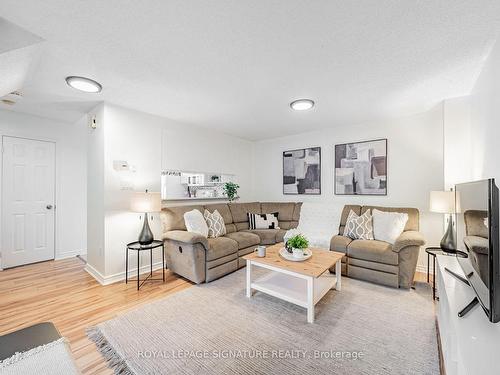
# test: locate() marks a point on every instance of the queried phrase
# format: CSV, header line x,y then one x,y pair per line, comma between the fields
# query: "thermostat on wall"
x,y
120,165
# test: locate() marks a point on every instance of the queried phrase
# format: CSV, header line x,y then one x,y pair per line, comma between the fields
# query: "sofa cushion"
x,y
196,223
296,211
413,215
263,221
359,226
244,239
242,226
280,235
388,226
239,211
172,218
345,213
285,210
288,224
215,223
340,243
223,210
372,250
220,247
267,236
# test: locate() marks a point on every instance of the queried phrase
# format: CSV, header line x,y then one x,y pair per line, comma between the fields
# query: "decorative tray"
x,y
286,255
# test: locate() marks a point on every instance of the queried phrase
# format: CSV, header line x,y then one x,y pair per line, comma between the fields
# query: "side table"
x,y
433,251
136,246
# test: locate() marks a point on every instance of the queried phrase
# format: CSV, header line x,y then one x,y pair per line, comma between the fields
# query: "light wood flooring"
x,y
63,293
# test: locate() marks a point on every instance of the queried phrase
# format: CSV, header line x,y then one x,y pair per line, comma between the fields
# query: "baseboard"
x,y
120,276
69,254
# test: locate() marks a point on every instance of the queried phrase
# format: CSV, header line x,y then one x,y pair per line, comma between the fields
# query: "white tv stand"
x,y
471,344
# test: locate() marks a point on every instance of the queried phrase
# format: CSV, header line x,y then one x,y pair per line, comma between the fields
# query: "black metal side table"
x,y
433,251
138,247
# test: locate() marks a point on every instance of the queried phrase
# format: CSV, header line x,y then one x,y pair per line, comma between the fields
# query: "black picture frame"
x,y
319,170
336,162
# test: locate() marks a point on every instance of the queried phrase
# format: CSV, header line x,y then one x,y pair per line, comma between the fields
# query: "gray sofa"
x,y
378,261
202,260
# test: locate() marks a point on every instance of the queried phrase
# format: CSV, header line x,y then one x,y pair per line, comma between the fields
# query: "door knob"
x,y
49,207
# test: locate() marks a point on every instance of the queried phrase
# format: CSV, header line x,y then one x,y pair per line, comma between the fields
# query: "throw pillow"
x,y
195,223
388,226
215,222
263,221
359,227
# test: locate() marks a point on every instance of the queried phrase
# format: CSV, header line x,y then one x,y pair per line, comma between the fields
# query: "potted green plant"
x,y
231,190
296,245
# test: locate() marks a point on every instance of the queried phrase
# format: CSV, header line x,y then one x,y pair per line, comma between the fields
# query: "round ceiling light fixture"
x,y
84,84
302,104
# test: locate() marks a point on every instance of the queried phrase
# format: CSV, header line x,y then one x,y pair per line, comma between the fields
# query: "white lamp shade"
x,y
146,202
442,202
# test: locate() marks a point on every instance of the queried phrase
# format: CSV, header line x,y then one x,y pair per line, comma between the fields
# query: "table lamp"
x,y
443,202
145,203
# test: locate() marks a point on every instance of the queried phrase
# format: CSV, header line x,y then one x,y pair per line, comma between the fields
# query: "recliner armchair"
x,y
378,261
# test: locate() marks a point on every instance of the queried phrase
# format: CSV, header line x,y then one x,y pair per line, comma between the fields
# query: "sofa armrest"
x,y
186,237
408,238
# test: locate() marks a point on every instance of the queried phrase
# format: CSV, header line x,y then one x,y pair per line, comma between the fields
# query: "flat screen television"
x,y
478,236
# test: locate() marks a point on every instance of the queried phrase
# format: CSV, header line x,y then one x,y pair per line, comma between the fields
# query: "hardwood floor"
x,y
63,293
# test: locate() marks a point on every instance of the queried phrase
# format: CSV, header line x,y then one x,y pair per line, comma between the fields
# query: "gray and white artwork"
x,y
361,168
302,171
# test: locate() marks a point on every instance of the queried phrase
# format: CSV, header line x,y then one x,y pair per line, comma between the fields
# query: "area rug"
x,y
214,329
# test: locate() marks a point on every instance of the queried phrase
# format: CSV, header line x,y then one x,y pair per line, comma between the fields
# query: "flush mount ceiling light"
x,y
302,104
83,84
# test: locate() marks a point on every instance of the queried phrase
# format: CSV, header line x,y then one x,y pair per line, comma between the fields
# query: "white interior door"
x,y
28,201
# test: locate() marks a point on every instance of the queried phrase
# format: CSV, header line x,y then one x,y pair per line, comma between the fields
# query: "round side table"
x,y
433,251
136,246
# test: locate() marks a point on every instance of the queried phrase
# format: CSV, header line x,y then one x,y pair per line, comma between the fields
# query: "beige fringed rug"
x,y
214,329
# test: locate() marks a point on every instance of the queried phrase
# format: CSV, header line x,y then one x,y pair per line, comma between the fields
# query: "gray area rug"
x,y
214,329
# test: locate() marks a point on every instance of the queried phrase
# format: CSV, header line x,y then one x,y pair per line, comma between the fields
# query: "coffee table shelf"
x,y
301,283
293,289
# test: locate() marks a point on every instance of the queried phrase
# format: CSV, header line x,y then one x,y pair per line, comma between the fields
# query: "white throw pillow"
x,y
215,222
359,227
388,226
195,223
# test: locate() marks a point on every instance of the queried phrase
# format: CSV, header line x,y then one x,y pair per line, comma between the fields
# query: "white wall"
x,y
150,144
71,174
457,141
95,190
415,166
485,120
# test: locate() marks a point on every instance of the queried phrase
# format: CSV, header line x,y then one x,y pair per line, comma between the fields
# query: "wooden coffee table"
x,y
302,283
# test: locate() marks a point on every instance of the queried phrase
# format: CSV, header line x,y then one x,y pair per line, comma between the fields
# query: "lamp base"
x,y
146,236
448,243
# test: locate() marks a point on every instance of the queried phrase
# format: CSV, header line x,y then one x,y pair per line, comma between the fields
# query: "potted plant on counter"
x,y
231,190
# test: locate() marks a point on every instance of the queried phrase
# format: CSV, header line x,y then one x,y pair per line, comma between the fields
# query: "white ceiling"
x,y
234,66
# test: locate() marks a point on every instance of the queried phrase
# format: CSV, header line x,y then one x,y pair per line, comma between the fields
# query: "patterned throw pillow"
x,y
263,221
215,222
359,227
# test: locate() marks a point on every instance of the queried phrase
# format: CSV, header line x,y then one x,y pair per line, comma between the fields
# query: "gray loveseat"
x,y
378,261
202,259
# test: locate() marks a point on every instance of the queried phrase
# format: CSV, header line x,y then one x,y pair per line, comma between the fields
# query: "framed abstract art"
x,y
361,168
302,171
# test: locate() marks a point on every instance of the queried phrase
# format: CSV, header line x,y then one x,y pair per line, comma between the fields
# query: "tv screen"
x,y
477,236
